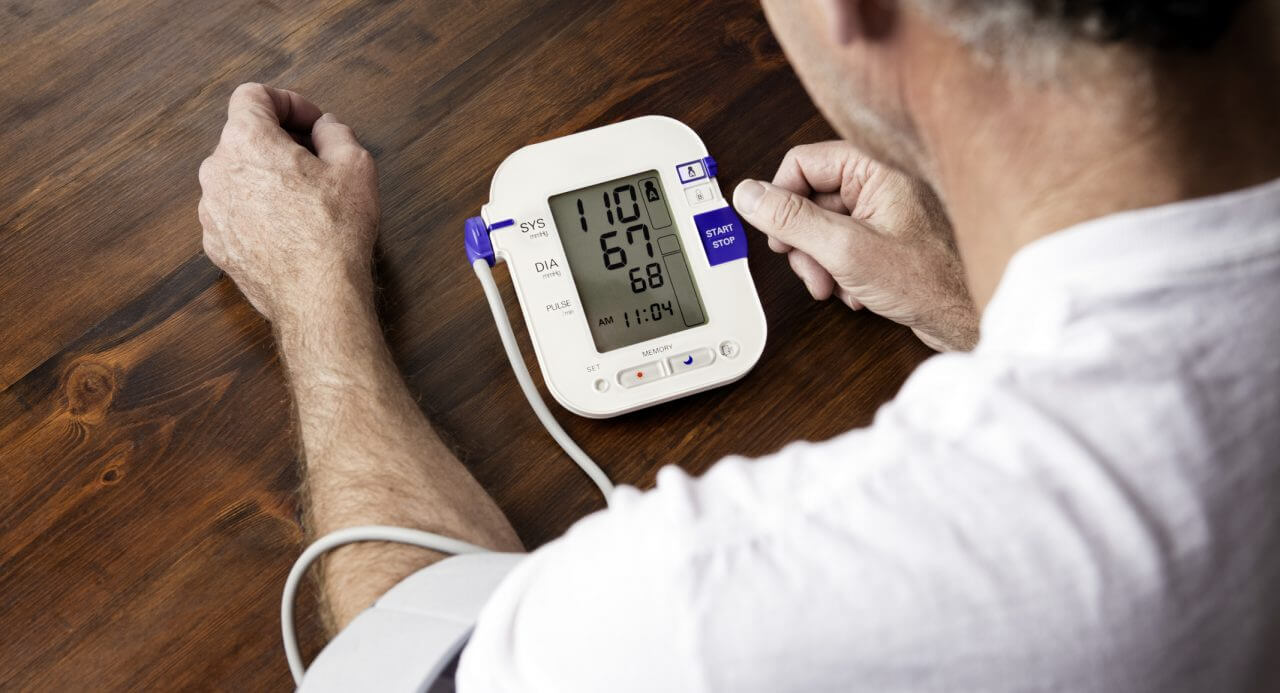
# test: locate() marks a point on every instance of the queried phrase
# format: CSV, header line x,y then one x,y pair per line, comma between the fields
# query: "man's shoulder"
x,y
980,519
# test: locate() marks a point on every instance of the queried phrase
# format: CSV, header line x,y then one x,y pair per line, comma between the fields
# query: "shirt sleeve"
x,y
631,597
572,615
934,551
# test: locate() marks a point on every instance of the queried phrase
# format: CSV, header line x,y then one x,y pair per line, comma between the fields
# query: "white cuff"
x,y
415,631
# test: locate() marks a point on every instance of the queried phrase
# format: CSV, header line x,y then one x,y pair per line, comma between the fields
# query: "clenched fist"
x,y
286,224
867,234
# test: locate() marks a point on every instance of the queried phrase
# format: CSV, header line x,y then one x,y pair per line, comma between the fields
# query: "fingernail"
x,y
746,197
327,118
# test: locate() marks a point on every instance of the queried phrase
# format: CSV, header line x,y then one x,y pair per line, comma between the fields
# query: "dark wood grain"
x,y
148,512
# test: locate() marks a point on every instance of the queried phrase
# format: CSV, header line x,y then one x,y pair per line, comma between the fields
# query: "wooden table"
x,y
148,512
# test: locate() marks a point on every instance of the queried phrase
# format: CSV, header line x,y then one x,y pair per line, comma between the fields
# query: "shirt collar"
x,y
1126,252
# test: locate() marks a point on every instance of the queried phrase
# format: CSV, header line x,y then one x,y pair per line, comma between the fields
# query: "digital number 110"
x,y
615,257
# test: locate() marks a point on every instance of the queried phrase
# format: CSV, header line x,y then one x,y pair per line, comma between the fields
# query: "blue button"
x,y
713,169
692,170
722,235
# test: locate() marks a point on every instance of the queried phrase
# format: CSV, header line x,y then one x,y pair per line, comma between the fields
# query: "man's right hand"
x,y
868,234
289,226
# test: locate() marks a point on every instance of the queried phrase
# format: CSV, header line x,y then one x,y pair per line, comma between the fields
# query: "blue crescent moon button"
x,y
723,237
691,360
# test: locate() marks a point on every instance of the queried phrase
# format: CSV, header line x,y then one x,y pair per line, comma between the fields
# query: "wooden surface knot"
x,y
90,387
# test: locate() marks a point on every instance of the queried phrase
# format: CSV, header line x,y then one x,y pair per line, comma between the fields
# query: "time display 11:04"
x,y
651,313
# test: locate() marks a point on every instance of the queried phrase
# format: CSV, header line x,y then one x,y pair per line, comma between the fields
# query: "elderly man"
x,y
1077,199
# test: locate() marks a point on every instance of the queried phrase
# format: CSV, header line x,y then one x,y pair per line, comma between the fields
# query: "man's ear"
x,y
848,20
842,20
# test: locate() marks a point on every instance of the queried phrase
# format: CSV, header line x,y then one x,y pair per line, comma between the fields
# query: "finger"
x,y
212,249
302,139
817,167
210,242
333,140
849,300
832,202
205,173
280,107
202,213
816,279
798,222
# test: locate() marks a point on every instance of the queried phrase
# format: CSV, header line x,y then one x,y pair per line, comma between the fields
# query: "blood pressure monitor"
x,y
629,265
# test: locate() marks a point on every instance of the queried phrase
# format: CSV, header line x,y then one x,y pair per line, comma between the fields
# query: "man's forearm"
x,y
370,457
295,228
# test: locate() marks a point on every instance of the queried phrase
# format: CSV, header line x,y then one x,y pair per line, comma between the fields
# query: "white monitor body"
x,y
524,234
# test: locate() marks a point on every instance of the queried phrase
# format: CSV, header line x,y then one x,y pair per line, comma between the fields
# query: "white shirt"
x,y
1088,501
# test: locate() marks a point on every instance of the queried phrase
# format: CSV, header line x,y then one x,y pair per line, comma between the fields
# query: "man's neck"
x,y
1029,160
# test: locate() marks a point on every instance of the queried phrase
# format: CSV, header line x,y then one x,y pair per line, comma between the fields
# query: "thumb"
x,y
332,140
795,220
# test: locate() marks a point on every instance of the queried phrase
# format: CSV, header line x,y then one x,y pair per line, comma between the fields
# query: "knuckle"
x,y
210,169
860,172
245,88
207,224
806,153
295,158
803,152
338,128
211,250
791,160
788,213
361,158
235,132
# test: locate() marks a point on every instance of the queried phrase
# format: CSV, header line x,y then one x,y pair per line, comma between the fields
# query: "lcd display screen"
x,y
626,257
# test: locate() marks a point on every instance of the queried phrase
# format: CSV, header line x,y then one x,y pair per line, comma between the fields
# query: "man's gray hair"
x,y
997,27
